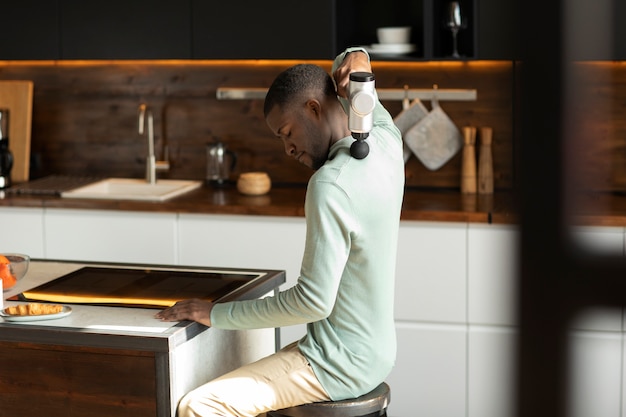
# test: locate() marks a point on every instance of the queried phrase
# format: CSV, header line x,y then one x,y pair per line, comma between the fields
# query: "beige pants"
x,y
281,380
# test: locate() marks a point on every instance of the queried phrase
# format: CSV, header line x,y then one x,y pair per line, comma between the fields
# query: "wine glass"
x,y
455,22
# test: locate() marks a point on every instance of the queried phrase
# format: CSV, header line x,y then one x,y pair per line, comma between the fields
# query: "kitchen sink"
x,y
132,189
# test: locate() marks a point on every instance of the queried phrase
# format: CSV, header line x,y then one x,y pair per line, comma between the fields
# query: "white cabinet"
x,y
431,314
492,282
245,242
431,272
429,378
451,277
596,343
22,231
111,236
595,381
492,268
491,371
595,366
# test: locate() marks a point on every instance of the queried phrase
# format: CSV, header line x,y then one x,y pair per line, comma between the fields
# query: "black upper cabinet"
x,y
30,29
495,24
277,29
619,29
125,29
595,31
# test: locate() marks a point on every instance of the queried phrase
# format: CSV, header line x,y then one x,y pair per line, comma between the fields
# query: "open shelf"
x,y
357,21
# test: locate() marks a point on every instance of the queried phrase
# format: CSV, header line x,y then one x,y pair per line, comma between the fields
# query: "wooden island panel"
x,y
77,381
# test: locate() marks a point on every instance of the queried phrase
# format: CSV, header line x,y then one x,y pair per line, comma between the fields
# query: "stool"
x,y
372,404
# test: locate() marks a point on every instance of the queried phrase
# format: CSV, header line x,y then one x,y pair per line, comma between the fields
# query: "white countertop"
x,y
85,319
114,326
114,320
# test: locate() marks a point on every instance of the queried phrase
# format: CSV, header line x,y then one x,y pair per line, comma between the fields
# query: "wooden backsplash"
x,y
85,116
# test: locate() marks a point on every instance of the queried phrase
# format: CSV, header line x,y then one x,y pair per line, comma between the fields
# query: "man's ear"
x,y
315,107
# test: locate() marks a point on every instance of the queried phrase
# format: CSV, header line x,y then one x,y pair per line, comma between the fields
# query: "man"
x,y
345,288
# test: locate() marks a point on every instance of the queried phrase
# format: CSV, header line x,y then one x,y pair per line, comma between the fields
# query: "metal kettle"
x,y
220,162
6,157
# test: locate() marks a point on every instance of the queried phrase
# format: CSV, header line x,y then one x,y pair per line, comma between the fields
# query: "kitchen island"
x,y
118,361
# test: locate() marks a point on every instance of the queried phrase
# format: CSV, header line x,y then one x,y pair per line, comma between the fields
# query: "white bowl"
x,y
396,35
391,48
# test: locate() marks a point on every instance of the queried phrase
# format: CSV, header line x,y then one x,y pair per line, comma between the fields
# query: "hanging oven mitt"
x,y
411,114
435,139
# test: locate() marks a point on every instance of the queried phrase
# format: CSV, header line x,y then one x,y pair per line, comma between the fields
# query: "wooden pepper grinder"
x,y
485,162
468,164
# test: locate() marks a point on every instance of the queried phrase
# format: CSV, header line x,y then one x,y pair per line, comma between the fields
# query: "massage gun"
x,y
362,101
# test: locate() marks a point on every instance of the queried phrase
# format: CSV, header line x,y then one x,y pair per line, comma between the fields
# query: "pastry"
x,y
33,309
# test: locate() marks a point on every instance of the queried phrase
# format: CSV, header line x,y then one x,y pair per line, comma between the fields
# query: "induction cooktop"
x,y
139,287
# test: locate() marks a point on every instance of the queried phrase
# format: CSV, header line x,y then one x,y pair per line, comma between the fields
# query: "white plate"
x,y
391,48
64,313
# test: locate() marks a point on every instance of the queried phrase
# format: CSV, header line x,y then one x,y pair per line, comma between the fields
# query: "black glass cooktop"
x,y
139,287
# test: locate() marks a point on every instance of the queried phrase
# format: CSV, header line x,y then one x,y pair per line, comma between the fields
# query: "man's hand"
x,y
193,309
353,62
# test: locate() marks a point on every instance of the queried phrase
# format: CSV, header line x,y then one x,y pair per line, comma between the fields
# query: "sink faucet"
x,y
152,165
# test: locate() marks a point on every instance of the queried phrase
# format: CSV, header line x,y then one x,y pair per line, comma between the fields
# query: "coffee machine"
x,y
6,158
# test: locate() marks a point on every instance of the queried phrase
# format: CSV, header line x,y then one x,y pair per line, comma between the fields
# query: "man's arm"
x,y
353,60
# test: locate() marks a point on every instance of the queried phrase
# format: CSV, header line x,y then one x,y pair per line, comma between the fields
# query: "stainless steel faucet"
x,y
152,165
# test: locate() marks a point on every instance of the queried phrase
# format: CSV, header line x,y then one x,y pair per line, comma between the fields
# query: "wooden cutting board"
x,y
17,96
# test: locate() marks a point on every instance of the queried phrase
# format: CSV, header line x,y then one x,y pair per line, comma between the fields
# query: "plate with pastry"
x,y
35,312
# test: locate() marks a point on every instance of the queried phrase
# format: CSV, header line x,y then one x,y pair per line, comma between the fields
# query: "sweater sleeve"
x,y
312,298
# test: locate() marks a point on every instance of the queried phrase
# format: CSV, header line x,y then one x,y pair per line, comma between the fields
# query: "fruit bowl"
x,y
13,267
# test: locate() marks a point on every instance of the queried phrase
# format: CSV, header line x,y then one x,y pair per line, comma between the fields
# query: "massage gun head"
x,y
362,100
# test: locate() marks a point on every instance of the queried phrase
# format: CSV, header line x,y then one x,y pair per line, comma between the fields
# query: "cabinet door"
x,y
492,266
595,368
619,30
429,378
30,30
276,29
595,31
495,26
22,231
111,236
125,29
491,371
431,272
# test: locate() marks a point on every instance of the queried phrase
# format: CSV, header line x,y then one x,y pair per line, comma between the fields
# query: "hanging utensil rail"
x,y
442,94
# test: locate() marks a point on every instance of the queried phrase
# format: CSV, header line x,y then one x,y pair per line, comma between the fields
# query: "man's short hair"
x,y
294,82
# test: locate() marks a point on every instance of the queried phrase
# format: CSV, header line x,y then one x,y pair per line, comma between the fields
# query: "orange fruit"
x,y
4,260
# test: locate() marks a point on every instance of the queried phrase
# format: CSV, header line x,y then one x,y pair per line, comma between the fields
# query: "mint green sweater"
x,y
345,290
